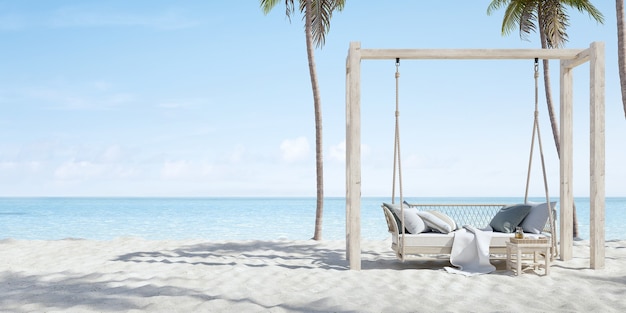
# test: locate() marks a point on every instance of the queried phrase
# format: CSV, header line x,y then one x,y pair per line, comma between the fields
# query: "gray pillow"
x,y
413,224
447,219
509,217
437,221
536,220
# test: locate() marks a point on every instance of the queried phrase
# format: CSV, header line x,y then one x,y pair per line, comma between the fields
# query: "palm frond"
x,y
496,5
548,16
321,14
512,16
519,15
555,22
528,20
268,5
585,6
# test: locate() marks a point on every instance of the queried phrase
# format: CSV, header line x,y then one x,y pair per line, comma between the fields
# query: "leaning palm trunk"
x,y
552,115
317,15
317,103
621,49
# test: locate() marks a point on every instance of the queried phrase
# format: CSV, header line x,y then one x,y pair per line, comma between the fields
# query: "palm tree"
x,y
552,20
317,15
621,49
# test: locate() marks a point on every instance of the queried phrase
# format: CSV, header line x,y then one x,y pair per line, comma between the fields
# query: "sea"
x,y
240,218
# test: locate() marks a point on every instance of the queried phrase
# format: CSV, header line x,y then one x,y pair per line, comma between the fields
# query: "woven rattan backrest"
x,y
477,215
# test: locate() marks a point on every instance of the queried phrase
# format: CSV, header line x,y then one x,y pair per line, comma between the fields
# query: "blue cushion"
x,y
509,217
536,220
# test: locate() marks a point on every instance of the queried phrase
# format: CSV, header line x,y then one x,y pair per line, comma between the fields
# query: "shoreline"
x,y
137,275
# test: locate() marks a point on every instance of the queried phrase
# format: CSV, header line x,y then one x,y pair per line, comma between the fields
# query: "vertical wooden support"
x,y
597,158
348,203
566,162
353,156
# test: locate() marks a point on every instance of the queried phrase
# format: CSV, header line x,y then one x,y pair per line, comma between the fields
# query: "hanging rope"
x,y
397,165
543,164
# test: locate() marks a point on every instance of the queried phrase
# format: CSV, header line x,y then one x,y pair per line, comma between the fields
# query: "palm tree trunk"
x,y
317,103
553,122
552,115
621,49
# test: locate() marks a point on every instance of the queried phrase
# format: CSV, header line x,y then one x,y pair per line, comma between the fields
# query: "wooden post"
x,y
597,159
353,156
348,172
566,168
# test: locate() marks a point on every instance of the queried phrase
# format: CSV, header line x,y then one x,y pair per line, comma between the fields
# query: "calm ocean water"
x,y
224,218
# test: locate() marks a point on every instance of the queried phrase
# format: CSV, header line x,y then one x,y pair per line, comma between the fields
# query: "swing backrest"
x,y
477,215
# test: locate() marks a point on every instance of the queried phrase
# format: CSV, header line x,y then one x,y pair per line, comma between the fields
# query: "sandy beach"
x,y
136,275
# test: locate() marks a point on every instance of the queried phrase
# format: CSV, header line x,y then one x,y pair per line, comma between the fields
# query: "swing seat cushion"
x,y
445,241
536,220
509,217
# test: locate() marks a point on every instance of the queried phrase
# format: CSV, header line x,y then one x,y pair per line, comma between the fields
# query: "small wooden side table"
x,y
518,247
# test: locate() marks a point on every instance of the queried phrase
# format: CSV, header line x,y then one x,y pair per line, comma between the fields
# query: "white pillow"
x,y
437,221
447,219
412,222
537,218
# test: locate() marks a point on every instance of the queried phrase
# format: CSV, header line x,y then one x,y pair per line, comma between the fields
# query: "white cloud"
x,y
7,165
237,154
112,153
185,170
90,171
31,166
338,152
366,149
295,149
81,170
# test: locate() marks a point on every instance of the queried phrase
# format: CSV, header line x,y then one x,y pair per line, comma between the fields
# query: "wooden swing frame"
x,y
569,59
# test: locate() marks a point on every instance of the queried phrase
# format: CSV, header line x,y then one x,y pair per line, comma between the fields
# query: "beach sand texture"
x,y
136,275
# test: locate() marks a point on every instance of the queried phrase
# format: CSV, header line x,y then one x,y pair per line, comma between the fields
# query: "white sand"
x,y
134,275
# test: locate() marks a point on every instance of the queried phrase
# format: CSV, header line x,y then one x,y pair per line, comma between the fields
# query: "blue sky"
x,y
212,98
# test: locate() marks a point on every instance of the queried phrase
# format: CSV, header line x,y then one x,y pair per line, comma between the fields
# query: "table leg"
x,y
548,256
519,260
508,257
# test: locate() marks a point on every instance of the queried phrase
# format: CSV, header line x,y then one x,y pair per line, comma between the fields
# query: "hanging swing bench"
x,y
429,229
